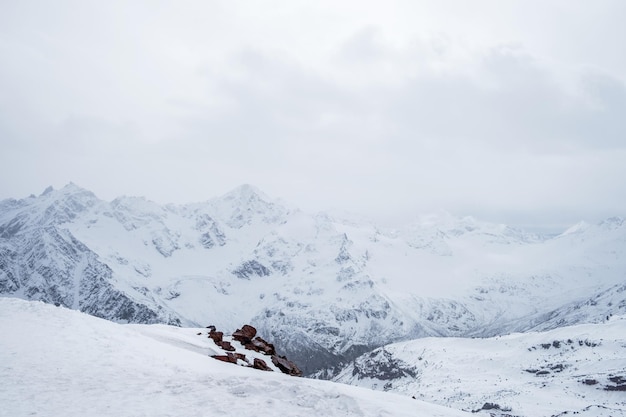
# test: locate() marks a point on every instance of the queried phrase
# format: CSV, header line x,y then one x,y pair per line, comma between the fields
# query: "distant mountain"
x,y
326,288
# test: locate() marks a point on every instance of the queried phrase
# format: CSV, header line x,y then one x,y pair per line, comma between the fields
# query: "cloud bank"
x,y
512,112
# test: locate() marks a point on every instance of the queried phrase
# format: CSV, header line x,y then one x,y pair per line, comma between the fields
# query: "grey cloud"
x,y
517,105
364,47
602,121
174,108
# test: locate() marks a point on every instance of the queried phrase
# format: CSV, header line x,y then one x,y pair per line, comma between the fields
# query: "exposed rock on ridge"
x,y
246,338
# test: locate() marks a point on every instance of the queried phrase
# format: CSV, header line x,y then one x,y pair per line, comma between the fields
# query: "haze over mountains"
x,y
323,288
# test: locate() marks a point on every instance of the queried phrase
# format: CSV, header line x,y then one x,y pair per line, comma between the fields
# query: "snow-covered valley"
x,y
577,370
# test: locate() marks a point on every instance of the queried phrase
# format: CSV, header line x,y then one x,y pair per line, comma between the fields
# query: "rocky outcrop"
x,y
231,357
226,346
381,364
216,336
260,365
251,268
260,345
246,336
286,365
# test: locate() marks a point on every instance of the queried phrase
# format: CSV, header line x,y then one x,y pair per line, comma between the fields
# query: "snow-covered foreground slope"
x,y
324,288
59,362
572,370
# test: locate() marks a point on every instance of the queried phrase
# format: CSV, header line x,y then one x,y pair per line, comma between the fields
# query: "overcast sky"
x,y
510,111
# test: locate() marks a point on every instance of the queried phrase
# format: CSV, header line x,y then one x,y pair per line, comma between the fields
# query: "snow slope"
x,y
59,362
572,370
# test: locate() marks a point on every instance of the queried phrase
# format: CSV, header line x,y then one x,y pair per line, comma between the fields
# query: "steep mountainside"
x,y
326,288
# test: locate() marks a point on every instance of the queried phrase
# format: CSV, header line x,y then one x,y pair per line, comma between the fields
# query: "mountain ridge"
x,y
327,288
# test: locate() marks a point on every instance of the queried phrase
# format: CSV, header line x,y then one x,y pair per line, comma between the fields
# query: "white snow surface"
x,y
59,362
533,374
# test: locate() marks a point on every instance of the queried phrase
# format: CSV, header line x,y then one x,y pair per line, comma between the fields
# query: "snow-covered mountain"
x,y
324,288
59,362
578,370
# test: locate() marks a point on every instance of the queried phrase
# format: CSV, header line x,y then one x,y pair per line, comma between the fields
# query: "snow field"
x,y
532,374
58,362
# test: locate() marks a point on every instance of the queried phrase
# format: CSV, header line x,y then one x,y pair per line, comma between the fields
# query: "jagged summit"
x,y
613,223
246,193
52,207
48,190
68,189
577,228
244,205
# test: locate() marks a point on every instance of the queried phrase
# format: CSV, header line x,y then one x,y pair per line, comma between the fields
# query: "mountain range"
x,y
324,288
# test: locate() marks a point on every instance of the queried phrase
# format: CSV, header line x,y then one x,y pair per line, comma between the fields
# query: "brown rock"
x,y
226,346
251,346
263,346
230,358
286,366
245,334
216,336
260,364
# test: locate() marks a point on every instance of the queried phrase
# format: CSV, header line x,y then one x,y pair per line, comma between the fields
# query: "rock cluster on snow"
x,y
250,341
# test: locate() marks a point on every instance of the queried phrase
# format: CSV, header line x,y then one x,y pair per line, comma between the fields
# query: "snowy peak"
x,y
439,233
52,207
607,229
136,212
69,191
450,226
246,205
245,193
578,228
47,191
612,223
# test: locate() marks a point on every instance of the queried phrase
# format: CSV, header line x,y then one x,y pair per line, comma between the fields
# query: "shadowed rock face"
x,y
286,365
381,365
216,336
260,345
245,334
58,269
260,365
250,269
